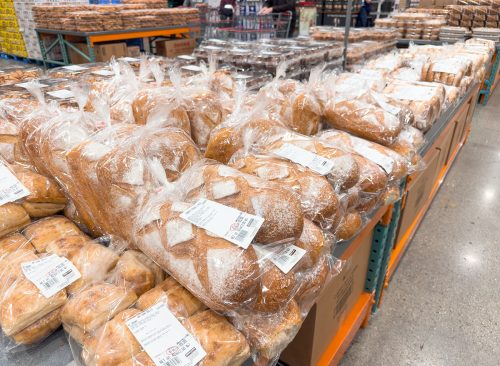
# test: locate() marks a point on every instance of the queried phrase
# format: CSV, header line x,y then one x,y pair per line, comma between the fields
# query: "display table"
x,y
67,39
391,229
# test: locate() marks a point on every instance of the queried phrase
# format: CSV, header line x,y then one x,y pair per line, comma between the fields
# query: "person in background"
x,y
363,19
280,6
227,9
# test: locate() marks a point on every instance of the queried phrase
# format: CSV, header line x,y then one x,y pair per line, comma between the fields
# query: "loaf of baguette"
x,y
317,196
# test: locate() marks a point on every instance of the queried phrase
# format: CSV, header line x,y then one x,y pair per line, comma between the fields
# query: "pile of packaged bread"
x,y
164,218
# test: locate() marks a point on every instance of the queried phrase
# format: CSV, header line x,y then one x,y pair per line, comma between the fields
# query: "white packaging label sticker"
x,y
186,57
191,68
229,223
31,84
50,274
103,72
164,338
377,157
129,59
386,106
11,189
61,94
75,68
306,158
285,258
416,93
448,66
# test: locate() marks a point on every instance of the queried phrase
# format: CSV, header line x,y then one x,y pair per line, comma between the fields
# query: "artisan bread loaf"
x,y
344,172
95,305
364,120
349,226
395,165
227,140
40,329
12,218
11,243
23,304
43,232
223,344
317,196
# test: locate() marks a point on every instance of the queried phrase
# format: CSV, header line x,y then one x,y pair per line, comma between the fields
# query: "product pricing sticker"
x,y
186,57
31,84
129,59
61,94
386,106
417,93
11,189
192,68
103,72
285,258
377,157
164,338
306,158
447,66
50,274
229,223
75,68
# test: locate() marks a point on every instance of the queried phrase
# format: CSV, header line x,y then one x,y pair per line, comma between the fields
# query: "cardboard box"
x,y
427,4
133,51
419,191
103,52
175,47
331,309
443,144
457,135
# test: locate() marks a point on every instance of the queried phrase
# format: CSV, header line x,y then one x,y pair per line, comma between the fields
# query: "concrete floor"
x,y
442,306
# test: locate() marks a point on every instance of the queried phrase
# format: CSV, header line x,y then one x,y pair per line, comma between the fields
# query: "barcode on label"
x,y
285,259
13,190
172,361
49,283
241,235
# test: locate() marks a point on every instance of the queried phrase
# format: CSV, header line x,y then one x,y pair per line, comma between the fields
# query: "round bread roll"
x,y
349,226
276,288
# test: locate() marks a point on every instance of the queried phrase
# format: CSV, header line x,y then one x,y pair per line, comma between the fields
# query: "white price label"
x,y
129,59
11,189
61,94
164,338
187,57
386,106
377,157
306,158
103,72
192,68
285,258
229,223
31,84
75,68
416,93
448,66
50,274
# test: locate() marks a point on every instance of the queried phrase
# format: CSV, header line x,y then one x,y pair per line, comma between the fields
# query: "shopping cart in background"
x,y
251,27
210,21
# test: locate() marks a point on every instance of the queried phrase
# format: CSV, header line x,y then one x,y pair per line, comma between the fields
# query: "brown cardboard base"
x,y
331,309
176,47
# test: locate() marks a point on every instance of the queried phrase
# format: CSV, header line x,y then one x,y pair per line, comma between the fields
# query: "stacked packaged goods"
x,y
11,38
248,234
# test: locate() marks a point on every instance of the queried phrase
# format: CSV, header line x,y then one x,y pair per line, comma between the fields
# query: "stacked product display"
x,y
95,18
414,25
297,55
25,18
474,16
11,38
200,216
